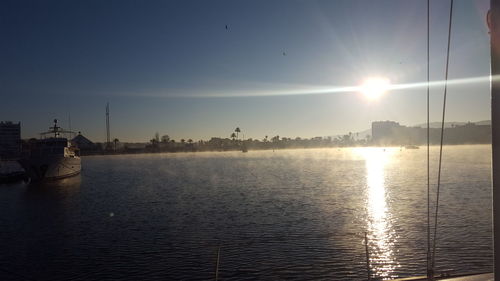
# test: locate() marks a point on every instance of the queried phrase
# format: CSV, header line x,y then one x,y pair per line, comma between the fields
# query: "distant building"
x,y
10,139
134,147
392,133
383,131
468,133
83,143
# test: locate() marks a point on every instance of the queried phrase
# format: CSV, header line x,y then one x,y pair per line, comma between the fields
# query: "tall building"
x,y
10,139
392,133
383,132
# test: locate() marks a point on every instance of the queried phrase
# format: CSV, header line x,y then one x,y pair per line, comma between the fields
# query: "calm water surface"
x,y
290,214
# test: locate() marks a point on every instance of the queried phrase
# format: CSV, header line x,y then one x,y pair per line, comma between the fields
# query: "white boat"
x,y
10,171
51,157
411,147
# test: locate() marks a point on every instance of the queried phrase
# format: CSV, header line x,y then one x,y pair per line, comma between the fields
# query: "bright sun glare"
x,y
374,88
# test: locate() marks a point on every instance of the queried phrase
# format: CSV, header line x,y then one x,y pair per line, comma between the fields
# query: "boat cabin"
x,y
55,147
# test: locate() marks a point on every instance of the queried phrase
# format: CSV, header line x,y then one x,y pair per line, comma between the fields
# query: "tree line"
x,y
235,142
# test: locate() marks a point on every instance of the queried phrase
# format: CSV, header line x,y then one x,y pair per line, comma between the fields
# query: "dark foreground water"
x,y
294,214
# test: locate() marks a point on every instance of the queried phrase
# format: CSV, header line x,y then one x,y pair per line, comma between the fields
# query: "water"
x,y
290,214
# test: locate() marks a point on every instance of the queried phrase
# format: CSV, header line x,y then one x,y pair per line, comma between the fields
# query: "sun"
x,y
373,88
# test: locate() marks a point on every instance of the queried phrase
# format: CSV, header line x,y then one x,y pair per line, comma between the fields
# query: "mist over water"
x,y
288,214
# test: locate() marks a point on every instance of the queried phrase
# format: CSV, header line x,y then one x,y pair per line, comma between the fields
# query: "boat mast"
x,y
493,20
55,129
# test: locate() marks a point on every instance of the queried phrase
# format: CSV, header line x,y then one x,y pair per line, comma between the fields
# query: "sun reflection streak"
x,y
381,235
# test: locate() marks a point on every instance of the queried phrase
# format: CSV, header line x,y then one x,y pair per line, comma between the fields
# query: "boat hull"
x,y
51,168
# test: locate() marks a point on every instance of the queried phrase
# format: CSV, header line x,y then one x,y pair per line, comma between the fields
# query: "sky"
x,y
172,67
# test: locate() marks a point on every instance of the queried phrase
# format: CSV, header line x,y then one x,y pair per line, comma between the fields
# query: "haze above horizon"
x,y
198,69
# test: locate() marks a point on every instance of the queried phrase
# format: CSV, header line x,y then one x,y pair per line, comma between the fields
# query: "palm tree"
x,y
233,136
237,130
115,141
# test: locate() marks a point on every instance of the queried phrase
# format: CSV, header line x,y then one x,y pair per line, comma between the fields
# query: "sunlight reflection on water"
x,y
380,231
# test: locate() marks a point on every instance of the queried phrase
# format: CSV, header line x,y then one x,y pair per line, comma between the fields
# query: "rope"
x,y
441,143
428,149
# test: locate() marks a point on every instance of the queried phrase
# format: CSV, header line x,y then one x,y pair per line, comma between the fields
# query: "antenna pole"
x,y
108,144
493,20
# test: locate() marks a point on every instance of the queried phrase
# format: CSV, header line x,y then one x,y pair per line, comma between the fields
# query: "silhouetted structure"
x,y
392,133
84,144
108,141
10,139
